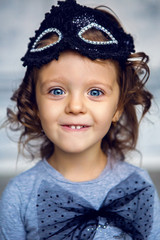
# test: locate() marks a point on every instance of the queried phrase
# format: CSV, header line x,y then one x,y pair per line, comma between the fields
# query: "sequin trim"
x,y
99,27
49,30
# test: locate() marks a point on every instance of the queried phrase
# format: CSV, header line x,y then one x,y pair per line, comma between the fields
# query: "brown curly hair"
x,y
122,135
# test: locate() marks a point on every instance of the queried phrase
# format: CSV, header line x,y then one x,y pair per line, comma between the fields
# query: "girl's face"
x,y
77,100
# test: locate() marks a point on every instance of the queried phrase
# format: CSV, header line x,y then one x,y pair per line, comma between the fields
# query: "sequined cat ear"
x,y
109,39
46,39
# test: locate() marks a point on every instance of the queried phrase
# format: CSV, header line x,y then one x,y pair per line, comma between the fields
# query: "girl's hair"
x,y
122,135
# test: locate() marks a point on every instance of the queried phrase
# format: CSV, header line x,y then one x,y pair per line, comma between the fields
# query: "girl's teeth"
x,y
76,127
73,127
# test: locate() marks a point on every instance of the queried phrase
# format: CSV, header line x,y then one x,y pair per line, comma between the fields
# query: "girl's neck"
x,y
79,167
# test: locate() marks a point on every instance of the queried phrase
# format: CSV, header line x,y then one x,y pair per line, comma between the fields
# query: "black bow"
x,y
127,206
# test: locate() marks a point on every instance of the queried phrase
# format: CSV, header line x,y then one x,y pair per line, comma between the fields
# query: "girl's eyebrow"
x,y
93,82
101,83
45,83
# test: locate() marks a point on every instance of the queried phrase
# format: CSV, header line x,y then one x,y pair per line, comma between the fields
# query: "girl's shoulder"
x,y
124,169
23,182
30,173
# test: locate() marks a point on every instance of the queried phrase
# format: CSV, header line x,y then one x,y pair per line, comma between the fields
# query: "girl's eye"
x,y
57,91
95,92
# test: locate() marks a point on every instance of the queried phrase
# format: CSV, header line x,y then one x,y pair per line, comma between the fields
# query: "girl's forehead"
x,y
75,63
71,67
70,57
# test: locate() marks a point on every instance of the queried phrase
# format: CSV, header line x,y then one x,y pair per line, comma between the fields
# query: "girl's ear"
x,y
117,115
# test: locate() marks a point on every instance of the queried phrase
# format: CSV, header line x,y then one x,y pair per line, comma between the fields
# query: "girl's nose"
x,y
76,104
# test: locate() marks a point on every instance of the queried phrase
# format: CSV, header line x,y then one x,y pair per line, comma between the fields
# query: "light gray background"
x,y
18,21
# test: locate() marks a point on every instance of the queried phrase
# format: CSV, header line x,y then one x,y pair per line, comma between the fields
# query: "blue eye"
x,y
95,93
57,91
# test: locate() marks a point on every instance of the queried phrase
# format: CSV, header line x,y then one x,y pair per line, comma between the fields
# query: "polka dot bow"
x,y
127,206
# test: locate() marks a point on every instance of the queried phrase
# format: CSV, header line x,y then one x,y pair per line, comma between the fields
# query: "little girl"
x,y
76,109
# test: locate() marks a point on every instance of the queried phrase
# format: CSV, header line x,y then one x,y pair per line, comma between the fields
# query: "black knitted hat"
x,y
69,21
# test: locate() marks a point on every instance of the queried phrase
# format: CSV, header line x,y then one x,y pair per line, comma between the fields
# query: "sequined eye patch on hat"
x,y
36,48
68,27
111,40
